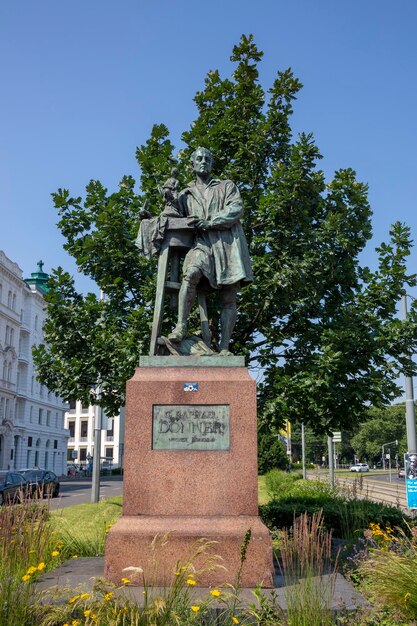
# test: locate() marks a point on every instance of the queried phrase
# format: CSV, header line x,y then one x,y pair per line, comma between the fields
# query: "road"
x,y
78,490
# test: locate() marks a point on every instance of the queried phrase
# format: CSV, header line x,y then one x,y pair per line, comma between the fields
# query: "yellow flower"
x,y
32,570
75,622
235,620
215,593
26,577
59,545
184,567
87,612
41,566
190,582
407,595
108,596
55,553
94,616
84,596
195,608
73,599
75,556
125,581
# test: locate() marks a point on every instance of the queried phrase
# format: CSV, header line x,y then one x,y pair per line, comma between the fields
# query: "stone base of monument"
x,y
131,543
190,473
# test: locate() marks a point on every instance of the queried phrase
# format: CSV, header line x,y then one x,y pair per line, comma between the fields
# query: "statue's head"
x,y
202,161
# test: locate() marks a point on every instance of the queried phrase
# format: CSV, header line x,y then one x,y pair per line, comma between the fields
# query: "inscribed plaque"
x,y
191,427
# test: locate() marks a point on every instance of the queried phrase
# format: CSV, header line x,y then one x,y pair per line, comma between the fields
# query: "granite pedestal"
x,y
190,472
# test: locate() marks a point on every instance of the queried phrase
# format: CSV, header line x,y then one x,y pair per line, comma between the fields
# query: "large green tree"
x,y
384,425
323,329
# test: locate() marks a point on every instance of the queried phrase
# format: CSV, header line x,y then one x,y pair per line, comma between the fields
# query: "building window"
x,y
9,299
71,428
7,335
31,415
36,322
72,405
1,408
83,454
55,444
5,371
84,429
48,418
9,372
30,442
40,416
69,454
109,454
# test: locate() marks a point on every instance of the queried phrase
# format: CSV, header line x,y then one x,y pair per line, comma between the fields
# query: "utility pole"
x,y
303,451
331,460
98,413
95,481
410,419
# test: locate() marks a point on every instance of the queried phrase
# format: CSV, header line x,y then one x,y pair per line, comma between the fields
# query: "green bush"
x,y
271,453
281,484
347,518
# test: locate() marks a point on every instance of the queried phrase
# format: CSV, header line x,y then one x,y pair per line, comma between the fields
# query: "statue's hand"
x,y
144,214
203,225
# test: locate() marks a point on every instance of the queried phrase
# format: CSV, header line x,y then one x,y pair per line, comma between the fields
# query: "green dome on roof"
x,y
39,278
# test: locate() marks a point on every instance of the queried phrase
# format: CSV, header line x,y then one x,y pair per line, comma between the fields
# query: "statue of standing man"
x,y
220,253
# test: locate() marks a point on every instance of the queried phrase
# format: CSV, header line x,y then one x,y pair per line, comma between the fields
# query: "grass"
x,y
263,496
81,529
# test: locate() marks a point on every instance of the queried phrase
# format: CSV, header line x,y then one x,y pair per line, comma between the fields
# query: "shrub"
x,y
347,519
271,453
279,483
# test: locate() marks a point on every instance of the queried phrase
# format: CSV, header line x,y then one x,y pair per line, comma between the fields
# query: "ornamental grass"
x,y
310,576
389,569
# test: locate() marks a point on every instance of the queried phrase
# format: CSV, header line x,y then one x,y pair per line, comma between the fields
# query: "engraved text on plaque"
x,y
191,427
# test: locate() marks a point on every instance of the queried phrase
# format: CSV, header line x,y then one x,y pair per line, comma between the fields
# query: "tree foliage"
x,y
323,329
384,425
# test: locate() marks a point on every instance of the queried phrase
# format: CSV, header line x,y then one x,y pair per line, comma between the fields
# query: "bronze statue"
x,y
218,256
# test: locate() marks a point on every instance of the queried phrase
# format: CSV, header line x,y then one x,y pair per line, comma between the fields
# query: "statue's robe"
x,y
221,252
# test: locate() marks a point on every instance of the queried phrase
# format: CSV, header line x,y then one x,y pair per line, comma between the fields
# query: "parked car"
x,y
359,467
41,482
401,472
13,487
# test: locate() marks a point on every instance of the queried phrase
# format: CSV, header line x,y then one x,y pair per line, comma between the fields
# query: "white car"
x,y
359,467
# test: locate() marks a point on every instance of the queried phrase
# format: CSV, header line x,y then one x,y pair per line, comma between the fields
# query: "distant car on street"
x,y
359,467
41,482
401,472
13,487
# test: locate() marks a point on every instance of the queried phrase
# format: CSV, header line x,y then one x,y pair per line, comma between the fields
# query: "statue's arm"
x,y
232,210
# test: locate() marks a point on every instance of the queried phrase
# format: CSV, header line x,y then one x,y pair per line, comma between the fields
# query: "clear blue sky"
x,y
82,82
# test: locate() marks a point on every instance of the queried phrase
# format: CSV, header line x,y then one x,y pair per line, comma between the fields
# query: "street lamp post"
x,y
410,419
98,418
390,443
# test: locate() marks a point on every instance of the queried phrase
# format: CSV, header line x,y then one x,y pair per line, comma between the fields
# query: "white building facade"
x,y
79,421
32,424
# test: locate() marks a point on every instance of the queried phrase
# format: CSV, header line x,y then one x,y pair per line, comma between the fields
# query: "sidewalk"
x,y
79,575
